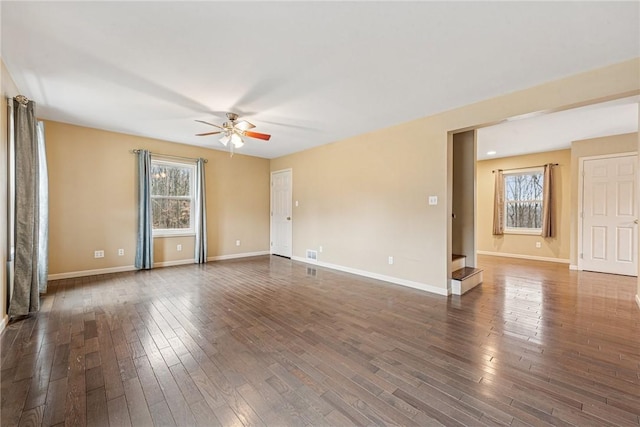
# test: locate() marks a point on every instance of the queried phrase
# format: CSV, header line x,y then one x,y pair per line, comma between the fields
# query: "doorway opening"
x,y
606,127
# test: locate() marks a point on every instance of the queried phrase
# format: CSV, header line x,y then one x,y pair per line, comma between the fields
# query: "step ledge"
x,y
460,287
465,272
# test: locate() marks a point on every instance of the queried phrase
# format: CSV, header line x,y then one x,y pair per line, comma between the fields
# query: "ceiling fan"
x,y
233,131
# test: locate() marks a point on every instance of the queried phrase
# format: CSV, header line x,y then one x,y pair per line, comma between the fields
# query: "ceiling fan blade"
x,y
210,124
208,133
244,125
257,135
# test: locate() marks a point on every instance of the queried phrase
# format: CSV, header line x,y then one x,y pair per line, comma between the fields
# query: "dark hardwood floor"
x,y
268,341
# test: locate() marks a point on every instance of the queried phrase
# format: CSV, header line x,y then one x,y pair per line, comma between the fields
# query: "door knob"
x,y
289,219
635,222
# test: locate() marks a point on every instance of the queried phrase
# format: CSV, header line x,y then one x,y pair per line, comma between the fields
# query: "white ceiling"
x,y
556,131
309,73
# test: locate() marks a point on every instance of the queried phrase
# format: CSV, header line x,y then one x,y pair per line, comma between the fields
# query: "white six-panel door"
x,y
281,224
609,217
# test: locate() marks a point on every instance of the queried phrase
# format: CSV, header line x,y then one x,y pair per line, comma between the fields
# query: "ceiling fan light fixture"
x,y
225,140
236,140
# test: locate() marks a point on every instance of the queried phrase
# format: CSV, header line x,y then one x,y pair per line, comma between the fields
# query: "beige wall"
x,y
627,143
365,198
9,89
463,235
557,247
92,186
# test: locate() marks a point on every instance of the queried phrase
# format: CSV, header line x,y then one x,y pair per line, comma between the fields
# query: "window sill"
x,y
184,234
527,232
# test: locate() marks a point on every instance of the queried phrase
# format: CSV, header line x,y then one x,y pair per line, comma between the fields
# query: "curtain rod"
x,y
137,150
527,167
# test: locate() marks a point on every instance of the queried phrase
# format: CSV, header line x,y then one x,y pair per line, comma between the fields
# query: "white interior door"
x,y
609,235
281,223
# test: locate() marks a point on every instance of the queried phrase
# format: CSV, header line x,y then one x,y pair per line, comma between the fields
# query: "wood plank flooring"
x,y
271,342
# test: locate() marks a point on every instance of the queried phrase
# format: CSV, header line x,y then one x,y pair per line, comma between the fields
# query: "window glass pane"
x,y
523,186
171,196
168,180
523,200
171,213
524,215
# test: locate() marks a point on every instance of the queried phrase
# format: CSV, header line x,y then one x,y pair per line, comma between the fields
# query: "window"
x,y
172,197
523,191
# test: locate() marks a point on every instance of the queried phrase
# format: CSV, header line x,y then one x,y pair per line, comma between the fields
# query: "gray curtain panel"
x,y
548,222
498,204
144,248
200,215
31,212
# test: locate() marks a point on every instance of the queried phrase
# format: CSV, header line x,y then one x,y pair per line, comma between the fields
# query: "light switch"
x,y
433,200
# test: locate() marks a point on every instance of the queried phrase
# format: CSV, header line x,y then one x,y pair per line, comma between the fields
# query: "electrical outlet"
x,y
538,245
320,249
433,200
179,248
98,254
390,260
120,252
237,242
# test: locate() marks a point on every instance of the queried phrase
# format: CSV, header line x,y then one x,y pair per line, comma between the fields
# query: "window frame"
x,y
175,232
524,171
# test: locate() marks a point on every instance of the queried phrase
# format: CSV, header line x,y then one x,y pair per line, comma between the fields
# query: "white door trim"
x,y
581,161
271,223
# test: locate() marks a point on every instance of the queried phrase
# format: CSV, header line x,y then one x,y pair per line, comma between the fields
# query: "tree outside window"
x,y
172,197
523,192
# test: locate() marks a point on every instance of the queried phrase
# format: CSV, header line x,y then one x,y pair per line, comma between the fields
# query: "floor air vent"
x,y
312,255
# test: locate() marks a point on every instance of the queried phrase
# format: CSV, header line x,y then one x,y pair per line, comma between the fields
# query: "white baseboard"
x,y
638,300
5,322
390,279
74,274
172,263
82,273
531,257
234,256
573,267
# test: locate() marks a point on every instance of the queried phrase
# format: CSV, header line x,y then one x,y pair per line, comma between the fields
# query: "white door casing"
x,y
281,218
609,237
